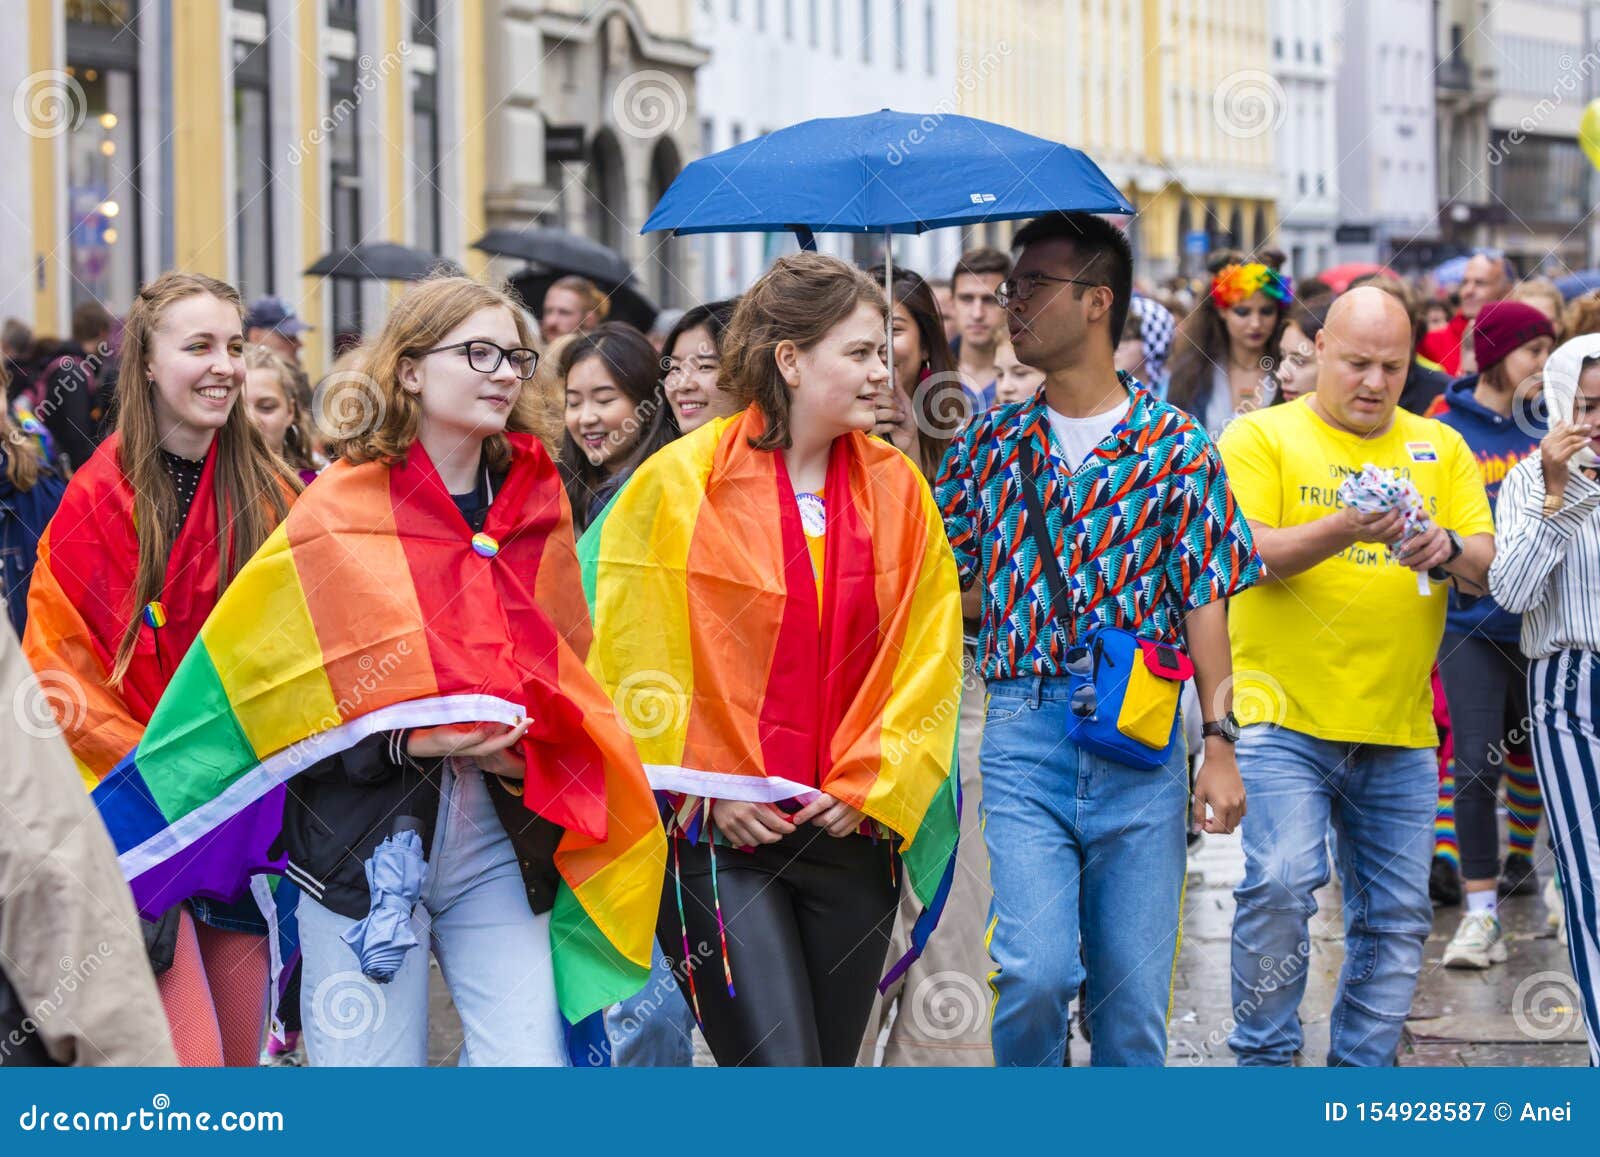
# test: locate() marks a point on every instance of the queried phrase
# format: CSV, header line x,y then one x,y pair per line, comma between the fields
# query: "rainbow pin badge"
x,y
486,545
155,615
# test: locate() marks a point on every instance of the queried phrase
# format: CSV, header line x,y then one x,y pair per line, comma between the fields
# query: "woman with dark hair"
x,y
616,415
1297,350
1227,349
778,622
929,404
690,360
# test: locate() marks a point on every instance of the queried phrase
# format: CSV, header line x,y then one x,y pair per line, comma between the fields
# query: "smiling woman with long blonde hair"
x,y
151,530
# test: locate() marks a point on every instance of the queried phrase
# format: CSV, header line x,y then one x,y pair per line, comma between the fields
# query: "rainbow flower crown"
x,y
1235,283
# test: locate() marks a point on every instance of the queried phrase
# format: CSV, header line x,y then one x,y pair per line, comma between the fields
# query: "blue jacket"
x,y
1498,444
23,515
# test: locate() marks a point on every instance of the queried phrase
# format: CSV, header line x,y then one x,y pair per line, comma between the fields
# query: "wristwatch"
x,y
1227,727
1437,573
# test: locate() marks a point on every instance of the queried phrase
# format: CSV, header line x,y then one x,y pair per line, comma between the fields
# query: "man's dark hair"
x,y
90,323
1104,250
980,261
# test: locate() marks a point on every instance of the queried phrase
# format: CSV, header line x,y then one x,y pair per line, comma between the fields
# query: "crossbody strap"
x,y
1055,580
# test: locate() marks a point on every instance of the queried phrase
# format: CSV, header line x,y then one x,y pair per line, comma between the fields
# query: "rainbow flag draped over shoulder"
x,y
736,685
374,607
81,601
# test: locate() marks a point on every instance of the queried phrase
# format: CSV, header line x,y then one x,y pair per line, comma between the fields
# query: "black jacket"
x,y
337,811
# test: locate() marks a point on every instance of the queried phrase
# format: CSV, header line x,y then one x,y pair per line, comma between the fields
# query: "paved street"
x,y
1458,1018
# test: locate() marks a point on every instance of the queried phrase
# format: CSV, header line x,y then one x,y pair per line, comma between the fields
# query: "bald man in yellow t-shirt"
x,y
1331,657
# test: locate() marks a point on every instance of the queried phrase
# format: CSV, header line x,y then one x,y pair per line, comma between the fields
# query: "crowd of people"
x,y
750,676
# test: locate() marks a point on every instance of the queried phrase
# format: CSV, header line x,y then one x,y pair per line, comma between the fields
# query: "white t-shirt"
x,y
1076,437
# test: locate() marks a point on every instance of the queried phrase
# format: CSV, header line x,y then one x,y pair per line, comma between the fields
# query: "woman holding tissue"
x,y
1546,570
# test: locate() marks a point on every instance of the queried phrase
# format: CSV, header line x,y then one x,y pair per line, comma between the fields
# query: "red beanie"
x,y
1503,326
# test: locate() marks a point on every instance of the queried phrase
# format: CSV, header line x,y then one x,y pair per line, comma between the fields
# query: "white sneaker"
x,y
1477,943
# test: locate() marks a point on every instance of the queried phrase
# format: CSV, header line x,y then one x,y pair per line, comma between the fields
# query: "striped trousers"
x,y
1564,695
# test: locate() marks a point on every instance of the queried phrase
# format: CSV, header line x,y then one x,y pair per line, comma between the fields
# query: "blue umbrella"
x,y
884,172
395,874
1578,284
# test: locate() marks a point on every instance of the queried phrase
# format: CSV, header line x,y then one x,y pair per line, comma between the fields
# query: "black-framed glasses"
x,y
485,357
1020,288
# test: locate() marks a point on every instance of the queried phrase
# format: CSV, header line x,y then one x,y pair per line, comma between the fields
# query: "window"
x,y
930,37
788,19
1277,47
1322,183
425,22
708,135
899,15
761,15
252,169
813,22
733,9
838,28
866,31
344,192
103,185
1316,52
424,161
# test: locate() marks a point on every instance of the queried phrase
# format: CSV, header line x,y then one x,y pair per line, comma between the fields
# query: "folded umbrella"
x,y
395,873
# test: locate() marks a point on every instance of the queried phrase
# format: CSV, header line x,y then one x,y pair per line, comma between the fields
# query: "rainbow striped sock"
x,y
1524,803
1444,820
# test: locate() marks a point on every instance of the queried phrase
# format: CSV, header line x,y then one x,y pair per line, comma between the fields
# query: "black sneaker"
x,y
1518,878
1444,884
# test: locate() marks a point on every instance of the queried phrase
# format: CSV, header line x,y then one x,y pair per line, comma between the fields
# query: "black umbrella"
x,y
381,261
557,251
628,303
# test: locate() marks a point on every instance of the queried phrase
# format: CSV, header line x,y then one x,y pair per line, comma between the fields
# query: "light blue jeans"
x,y
1380,802
1081,850
493,951
653,1028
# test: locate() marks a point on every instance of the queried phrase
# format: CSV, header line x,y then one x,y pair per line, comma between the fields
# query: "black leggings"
x,y
1486,686
808,922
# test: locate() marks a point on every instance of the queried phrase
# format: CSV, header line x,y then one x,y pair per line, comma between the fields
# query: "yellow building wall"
x,y
200,213
48,225
312,193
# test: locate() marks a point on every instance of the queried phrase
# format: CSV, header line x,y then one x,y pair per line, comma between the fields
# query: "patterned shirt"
x,y
1146,528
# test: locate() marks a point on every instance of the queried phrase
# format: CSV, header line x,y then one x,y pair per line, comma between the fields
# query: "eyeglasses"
x,y
1015,289
485,357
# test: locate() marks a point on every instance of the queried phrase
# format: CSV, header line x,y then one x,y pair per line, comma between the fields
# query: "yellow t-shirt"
x,y
1343,651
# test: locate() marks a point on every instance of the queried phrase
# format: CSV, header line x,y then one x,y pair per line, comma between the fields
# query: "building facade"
x,y
1388,175
1174,99
1305,59
774,63
595,112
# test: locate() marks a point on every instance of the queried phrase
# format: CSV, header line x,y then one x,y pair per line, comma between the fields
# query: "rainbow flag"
x,y
374,607
736,684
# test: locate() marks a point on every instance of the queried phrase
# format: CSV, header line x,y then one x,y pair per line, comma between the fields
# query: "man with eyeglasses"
x,y
1145,536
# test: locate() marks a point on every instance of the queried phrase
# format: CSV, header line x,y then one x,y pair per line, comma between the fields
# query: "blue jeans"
x,y
1081,849
1380,802
493,951
653,1028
